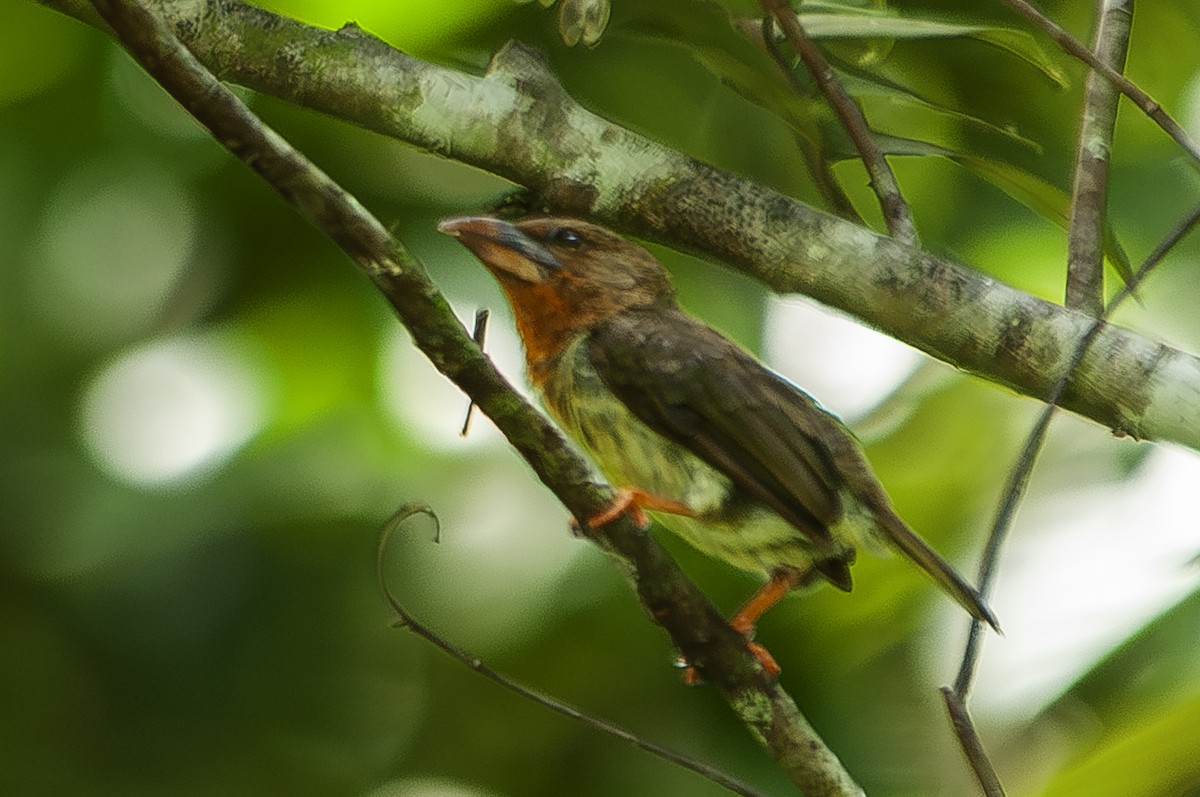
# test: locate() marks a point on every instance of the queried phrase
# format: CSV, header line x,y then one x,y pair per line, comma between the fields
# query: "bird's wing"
x,y
694,387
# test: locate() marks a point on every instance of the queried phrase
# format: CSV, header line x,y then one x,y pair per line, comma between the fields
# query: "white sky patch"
x,y
171,407
846,366
1083,571
424,403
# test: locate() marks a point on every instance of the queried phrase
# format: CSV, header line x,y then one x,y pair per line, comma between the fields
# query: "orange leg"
x,y
782,582
745,619
634,502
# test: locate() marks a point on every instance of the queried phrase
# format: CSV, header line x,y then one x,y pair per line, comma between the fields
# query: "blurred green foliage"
x,y
206,416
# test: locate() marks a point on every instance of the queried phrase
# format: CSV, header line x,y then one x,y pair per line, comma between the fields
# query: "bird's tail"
x,y
902,537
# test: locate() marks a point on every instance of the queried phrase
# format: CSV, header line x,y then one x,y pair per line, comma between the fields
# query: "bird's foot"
x,y
745,621
634,502
764,658
771,670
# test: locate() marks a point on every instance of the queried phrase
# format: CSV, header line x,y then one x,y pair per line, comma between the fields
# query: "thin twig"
x,y
1014,490
971,744
698,630
479,335
818,164
1072,46
407,620
896,212
1089,194
1019,478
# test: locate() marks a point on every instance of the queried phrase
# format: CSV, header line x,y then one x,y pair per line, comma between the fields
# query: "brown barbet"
x,y
724,452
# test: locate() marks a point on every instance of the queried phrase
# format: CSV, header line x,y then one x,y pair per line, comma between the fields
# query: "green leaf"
x,y
704,30
874,89
865,24
1035,193
1045,199
1023,45
1157,759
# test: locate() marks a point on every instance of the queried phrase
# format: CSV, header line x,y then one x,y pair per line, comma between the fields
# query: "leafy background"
x,y
206,417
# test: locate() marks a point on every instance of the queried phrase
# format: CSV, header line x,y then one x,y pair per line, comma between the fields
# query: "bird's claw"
x,y
635,502
691,673
770,668
765,660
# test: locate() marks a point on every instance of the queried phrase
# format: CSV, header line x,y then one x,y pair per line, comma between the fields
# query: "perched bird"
x,y
728,455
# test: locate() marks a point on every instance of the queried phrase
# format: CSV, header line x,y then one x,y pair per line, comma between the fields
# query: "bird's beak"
x,y
502,246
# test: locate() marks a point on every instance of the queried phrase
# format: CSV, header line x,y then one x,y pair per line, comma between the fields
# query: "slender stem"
x,y
818,165
1089,195
896,212
696,627
1072,46
479,335
407,620
971,744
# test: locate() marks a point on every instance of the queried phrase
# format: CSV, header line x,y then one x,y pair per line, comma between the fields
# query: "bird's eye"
x,y
567,237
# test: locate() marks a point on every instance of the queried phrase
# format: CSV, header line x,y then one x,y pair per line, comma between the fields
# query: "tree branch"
x,y
516,121
696,627
1089,195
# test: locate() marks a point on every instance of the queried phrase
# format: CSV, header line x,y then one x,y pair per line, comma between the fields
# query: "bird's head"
x,y
562,276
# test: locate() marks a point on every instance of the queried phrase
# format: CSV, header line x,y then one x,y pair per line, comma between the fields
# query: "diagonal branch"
x,y
1072,46
896,212
1089,195
695,626
516,121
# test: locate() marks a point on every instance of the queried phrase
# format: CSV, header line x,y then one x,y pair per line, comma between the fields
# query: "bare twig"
x,y
698,630
479,335
1018,480
1089,195
972,746
407,620
1019,477
1072,46
895,210
818,164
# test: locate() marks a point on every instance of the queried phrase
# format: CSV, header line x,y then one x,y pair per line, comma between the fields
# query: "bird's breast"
x,y
727,524
626,450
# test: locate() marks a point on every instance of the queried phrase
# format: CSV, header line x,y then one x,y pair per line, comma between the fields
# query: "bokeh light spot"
x,y
1084,570
116,241
846,366
424,403
172,407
